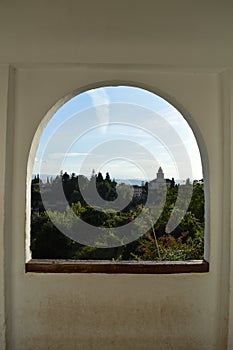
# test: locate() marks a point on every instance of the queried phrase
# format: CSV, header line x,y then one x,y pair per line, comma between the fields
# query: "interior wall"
x,y
176,311
3,118
173,33
181,50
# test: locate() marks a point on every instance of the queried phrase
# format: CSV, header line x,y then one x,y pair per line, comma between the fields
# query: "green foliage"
x,y
171,249
185,242
48,242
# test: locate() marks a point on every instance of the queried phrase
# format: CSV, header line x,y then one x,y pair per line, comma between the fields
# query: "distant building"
x,y
137,191
153,184
159,181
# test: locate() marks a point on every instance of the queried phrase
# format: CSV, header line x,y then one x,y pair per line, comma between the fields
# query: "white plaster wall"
x,y
103,311
179,49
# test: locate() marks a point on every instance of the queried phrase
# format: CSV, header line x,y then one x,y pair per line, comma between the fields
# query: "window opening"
x,y
118,178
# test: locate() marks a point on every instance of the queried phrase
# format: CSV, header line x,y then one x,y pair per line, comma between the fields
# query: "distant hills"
x,y
131,182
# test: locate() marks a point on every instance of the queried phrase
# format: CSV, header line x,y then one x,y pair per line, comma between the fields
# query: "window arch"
x,y
117,179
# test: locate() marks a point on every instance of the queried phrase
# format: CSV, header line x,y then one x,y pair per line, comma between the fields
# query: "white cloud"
x,y
66,155
101,102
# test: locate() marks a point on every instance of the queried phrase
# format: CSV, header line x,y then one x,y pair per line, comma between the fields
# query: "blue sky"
x,y
126,131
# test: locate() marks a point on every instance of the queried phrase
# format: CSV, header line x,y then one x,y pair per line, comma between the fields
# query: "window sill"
x,y
103,266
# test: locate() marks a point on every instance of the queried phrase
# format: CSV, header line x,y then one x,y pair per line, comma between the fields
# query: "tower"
x,y
160,174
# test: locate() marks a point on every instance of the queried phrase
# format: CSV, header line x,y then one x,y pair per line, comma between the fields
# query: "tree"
x,y
186,241
93,175
107,178
99,177
172,185
65,177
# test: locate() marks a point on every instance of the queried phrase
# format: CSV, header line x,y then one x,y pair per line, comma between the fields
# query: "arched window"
x,y
117,186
